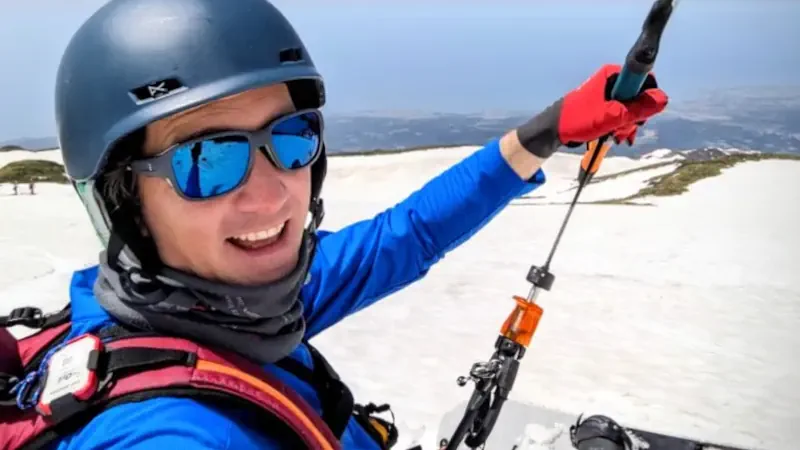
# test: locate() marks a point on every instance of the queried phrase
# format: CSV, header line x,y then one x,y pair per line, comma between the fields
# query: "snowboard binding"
x,y
599,432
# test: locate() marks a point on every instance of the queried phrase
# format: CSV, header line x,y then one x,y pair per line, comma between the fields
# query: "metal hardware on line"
x,y
533,294
481,371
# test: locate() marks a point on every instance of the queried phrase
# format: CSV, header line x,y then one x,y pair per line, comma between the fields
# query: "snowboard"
x,y
523,426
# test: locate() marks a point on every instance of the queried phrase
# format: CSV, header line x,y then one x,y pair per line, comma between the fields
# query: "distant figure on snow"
x,y
31,187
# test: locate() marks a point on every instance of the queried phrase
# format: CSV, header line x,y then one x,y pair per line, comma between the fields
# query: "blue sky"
x,y
456,55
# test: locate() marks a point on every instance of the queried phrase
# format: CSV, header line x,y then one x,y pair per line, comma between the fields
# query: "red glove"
x,y
626,133
586,114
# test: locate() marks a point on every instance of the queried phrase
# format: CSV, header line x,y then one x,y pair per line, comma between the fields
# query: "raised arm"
x,y
370,259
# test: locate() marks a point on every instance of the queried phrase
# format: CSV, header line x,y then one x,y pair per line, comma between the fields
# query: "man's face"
x,y
223,238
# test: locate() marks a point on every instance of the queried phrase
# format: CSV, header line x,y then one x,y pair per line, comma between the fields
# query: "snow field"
x,y
679,318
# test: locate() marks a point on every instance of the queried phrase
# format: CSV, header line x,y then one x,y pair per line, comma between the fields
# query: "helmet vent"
x,y
153,91
291,55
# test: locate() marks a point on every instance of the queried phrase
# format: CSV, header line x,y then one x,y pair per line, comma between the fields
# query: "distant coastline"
x,y
765,120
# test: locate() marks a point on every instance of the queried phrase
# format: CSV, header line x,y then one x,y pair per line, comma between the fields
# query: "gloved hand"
x,y
586,114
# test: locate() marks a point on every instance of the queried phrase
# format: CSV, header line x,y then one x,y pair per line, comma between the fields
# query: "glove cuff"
x,y
539,136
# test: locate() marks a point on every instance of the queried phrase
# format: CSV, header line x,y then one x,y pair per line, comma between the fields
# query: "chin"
x,y
254,275
276,273
261,264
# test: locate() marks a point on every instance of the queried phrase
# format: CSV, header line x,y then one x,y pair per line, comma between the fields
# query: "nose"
x,y
264,191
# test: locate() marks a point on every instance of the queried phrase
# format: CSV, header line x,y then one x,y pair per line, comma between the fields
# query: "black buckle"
x,y
27,316
7,385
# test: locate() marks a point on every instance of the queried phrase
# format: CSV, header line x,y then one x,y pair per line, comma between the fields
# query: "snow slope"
x,y
679,318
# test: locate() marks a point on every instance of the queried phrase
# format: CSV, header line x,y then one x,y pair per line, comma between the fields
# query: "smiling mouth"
x,y
258,239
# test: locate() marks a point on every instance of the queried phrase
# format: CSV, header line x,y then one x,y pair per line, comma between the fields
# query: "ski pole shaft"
x,y
592,160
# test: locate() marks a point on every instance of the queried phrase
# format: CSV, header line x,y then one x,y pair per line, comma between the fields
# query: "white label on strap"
x,y
69,372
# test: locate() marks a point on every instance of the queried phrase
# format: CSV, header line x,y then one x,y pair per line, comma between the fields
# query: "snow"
x,y
537,437
662,154
735,151
562,190
679,318
657,154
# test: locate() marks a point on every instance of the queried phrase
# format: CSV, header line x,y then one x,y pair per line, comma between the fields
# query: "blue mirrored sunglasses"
x,y
218,163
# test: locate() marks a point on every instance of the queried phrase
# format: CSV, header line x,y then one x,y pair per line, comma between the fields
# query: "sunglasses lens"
x,y
296,140
211,167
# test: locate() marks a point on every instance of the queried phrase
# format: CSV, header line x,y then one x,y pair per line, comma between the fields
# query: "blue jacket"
x,y
353,268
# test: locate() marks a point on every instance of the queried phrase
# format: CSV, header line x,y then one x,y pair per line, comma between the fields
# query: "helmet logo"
x,y
291,55
157,90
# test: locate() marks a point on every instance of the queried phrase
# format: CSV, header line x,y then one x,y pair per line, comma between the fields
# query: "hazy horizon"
x,y
433,57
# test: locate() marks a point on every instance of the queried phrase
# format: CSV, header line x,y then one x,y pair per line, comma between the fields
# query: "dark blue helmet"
x,y
136,61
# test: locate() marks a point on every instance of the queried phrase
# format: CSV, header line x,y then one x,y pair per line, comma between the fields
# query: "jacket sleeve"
x,y
368,260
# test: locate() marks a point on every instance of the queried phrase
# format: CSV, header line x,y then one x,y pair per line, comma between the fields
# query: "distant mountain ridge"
x,y
767,121
28,143
763,119
375,133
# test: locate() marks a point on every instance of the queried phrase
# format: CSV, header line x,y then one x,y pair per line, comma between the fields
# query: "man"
x,y
192,133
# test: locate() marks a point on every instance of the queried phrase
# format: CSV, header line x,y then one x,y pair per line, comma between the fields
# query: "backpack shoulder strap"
x,y
50,326
338,404
335,397
33,317
81,378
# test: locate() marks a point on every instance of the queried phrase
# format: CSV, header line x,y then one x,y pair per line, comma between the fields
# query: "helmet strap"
x,y
126,232
317,210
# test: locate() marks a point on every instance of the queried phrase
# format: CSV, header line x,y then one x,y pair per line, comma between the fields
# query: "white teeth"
x,y
261,235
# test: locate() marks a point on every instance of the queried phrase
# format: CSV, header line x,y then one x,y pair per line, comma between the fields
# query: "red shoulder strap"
x,y
31,346
9,354
15,353
234,375
136,367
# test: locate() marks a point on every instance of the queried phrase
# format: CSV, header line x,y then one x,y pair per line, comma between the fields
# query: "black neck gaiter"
x,y
264,323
